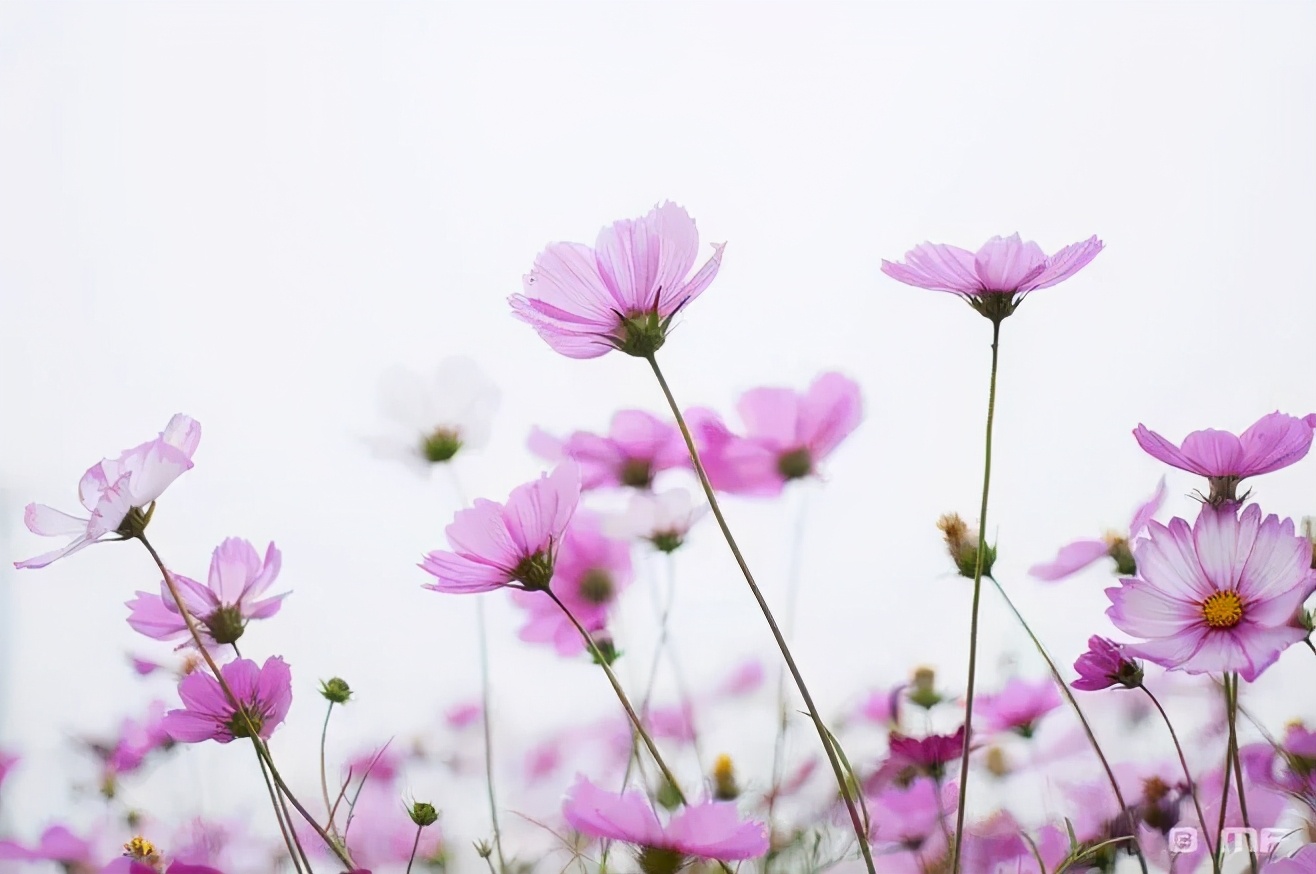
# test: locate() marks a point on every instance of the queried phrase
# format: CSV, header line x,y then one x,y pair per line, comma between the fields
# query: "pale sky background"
x,y
246,212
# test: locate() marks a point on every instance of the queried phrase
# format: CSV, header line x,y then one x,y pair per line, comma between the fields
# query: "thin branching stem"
x,y
1187,774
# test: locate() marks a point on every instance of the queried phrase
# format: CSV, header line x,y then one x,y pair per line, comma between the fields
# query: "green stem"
x,y
415,845
977,597
324,775
1078,711
285,828
1192,787
621,696
1231,697
823,734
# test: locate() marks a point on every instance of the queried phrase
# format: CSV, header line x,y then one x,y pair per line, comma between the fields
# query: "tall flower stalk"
x,y
825,736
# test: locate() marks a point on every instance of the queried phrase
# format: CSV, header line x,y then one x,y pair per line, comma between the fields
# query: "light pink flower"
x,y
115,488
590,572
910,816
223,607
623,293
1274,441
56,844
1018,706
637,447
137,739
1301,862
1076,556
787,433
464,715
711,830
512,544
1003,266
1218,596
264,695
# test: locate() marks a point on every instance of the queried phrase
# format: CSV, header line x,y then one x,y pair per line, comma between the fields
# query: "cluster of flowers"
x,y
1222,596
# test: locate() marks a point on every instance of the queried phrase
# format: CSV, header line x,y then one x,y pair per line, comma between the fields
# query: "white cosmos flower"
x,y
435,416
663,519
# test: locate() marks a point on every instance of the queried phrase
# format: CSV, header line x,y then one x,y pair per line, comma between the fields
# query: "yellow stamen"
x,y
139,848
1223,609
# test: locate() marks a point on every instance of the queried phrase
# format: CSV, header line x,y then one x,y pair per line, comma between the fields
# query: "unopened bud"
x,y
423,814
923,692
605,652
335,690
724,779
483,849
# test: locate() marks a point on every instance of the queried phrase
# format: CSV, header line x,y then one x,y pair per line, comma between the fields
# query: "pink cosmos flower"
x,y
264,695
623,293
711,830
56,844
744,679
996,277
464,715
910,816
1018,706
1274,441
1105,665
175,867
512,544
137,739
1301,862
928,755
117,492
787,433
882,706
638,446
231,598
1219,596
1076,556
590,572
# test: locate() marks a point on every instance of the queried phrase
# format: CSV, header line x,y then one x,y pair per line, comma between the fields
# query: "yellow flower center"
x,y
1223,609
139,848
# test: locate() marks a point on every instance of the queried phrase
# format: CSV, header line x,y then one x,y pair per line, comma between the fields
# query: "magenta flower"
x,y
1105,665
590,572
263,693
512,544
711,830
1018,706
117,493
1219,596
1076,556
223,607
56,844
1274,441
175,867
928,755
638,446
787,433
623,293
995,278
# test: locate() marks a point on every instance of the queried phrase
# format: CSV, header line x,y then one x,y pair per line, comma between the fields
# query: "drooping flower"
x,y
512,544
623,293
637,447
118,493
1105,665
1074,557
711,830
662,520
1219,596
1274,441
437,415
263,693
590,572
787,433
1018,706
995,278
223,607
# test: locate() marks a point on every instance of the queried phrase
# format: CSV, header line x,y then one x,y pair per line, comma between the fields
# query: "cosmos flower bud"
x,y
724,779
423,814
922,691
335,690
962,543
605,651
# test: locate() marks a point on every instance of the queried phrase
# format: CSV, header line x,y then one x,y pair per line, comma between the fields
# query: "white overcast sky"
x,y
247,211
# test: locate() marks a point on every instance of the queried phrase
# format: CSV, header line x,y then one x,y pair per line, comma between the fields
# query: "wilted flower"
x,y
437,415
962,544
515,544
787,434
711,830
224,606
263,693
637,447
995,278
118,493
1219,596
1105,665
1274,441
1074,557
623,293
